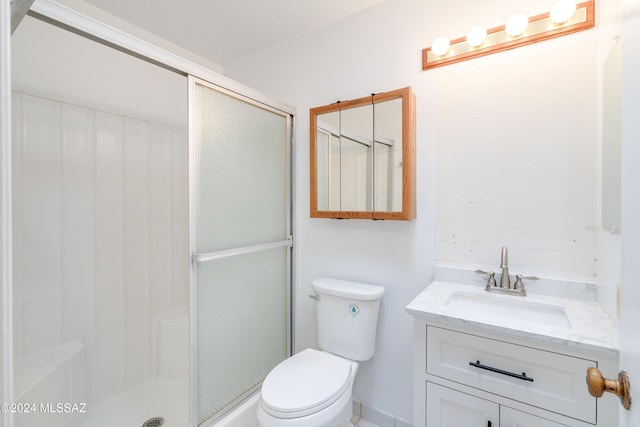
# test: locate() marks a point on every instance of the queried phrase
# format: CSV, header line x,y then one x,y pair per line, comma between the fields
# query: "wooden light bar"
x,y
540,28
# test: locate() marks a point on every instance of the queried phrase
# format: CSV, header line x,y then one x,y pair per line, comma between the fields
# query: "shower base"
x,y
169,400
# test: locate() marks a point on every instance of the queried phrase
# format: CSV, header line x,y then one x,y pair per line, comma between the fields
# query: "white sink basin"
x,y
508,309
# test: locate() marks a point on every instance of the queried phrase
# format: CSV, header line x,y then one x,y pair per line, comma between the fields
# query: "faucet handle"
x,y
519,278
491,280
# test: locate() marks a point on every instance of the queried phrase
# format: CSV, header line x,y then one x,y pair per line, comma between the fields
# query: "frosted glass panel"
x,y
241,172
240,199
242,325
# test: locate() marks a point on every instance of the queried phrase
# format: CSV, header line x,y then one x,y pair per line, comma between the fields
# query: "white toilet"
x,y
313,388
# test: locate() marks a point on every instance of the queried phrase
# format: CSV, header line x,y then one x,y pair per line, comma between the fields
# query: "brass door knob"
x,y
599,384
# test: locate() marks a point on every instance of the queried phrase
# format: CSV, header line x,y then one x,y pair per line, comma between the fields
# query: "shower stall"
x,y
151,234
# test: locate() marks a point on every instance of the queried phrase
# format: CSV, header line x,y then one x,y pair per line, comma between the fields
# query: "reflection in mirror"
x,y
363,157
344,153
328,161
388,156
356,157
612,139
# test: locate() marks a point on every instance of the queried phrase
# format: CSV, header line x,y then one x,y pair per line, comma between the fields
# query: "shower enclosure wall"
x,y
100,209
106,275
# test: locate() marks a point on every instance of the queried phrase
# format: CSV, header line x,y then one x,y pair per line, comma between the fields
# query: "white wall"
x,y
517,161
507,154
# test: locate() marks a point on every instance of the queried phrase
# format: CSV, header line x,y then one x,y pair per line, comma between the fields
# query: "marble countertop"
x,y
591,327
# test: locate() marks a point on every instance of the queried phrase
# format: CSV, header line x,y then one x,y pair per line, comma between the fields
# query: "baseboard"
x,y
245,415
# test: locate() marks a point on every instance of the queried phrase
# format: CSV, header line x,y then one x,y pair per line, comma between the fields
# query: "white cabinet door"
x,y
512,418
448,408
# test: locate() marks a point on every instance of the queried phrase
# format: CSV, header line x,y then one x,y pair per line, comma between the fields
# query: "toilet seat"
x,y
305,384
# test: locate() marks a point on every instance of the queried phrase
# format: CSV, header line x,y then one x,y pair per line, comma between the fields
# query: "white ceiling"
x,y
224,30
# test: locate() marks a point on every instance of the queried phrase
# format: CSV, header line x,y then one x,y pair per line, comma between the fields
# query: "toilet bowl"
x,y
310,389
314,388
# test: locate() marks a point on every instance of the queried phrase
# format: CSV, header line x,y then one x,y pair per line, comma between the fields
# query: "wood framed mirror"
x,y
362,156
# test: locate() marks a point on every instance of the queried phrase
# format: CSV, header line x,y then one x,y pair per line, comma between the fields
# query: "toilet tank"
x,y
347,314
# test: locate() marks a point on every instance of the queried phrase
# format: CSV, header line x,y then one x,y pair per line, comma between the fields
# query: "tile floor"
x,y
361,422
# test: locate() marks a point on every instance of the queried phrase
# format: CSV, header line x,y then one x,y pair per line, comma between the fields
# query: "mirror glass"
x,y
612,139
359,157
388,156
328,161
344,153
356,155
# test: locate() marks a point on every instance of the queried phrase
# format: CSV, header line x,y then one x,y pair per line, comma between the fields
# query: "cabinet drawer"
x,y
548,380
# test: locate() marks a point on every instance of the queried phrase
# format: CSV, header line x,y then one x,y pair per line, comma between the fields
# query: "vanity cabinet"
x,y
466,376
511,418
447,407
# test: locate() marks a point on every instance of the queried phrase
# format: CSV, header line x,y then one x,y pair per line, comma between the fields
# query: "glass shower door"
x,y
240,245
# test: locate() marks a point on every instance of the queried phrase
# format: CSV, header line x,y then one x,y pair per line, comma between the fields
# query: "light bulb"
x,y
516,24
562,11
476,36
440,46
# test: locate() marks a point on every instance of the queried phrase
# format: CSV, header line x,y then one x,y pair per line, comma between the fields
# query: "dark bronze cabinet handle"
x,y
522,376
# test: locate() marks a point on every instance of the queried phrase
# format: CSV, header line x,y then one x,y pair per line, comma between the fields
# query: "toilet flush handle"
x,y
315,297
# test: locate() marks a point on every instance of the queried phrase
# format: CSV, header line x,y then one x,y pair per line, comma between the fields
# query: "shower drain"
x,y
153,422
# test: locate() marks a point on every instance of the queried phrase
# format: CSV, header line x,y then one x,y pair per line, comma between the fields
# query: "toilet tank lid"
x,y
347,289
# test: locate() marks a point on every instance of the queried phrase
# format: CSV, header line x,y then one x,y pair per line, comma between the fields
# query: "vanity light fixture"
x,y
564,18
476,36
516,25
562,11
440,46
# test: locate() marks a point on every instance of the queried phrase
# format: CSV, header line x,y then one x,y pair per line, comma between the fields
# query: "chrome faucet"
x,y
505,282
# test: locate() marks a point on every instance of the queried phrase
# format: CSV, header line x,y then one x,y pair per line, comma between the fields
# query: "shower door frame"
x,y
6,272
93,29
204,257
